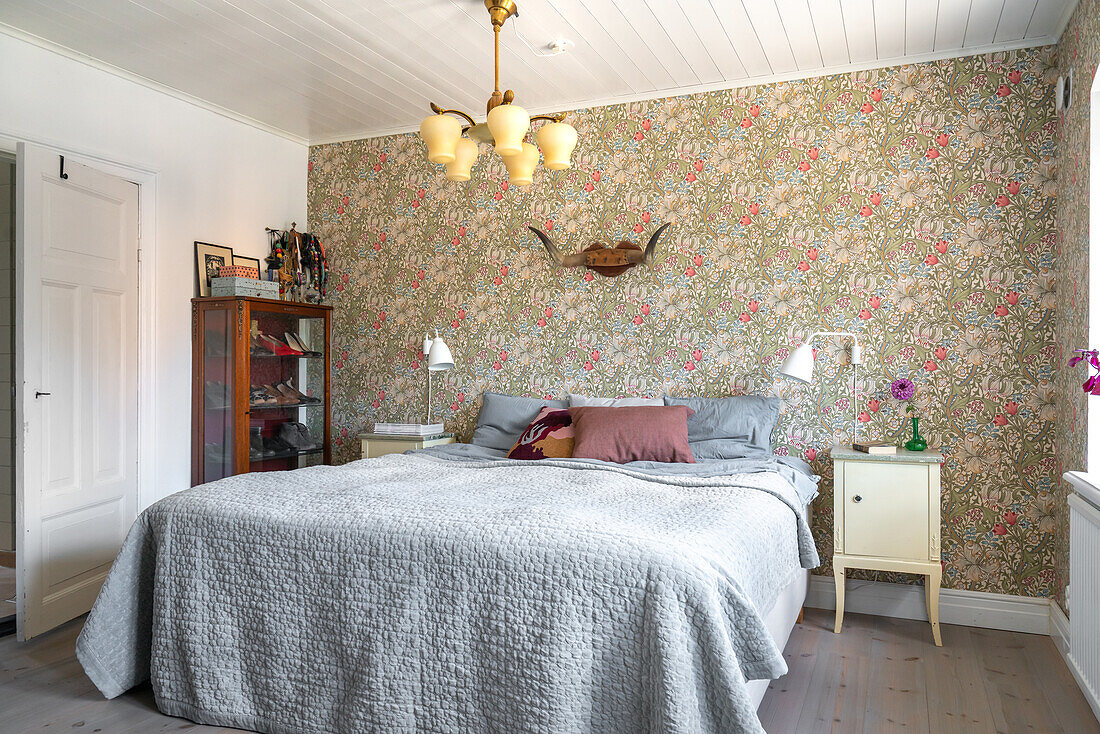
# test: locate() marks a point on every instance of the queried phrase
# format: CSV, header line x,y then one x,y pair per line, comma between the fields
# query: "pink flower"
x,y
745,221
1014,76
940,352
942,139
1000,529
699,165
746,122
689,366
498,196
804,166
639,136
454,406
698,260
754,110
697,355
753,306
754,208
931,259
646,124
866,108
596,175
454,323
549,223
1011,407
874,302
875,198
690,177
690,272
339,210
382,157
637,319
1013,297
461,314
1003,90
504,270
803,266
646,308
588,366
864,314
864,417
1001,310
638,228
646,216
812,154
589,277
503,356
1013,187
865,211
595,355
941,246
497,365
811,454
549,312
744,318
1000,420
497,280
420,194
541,321
877,95
377,167
503,185
932,154
589,187
931,366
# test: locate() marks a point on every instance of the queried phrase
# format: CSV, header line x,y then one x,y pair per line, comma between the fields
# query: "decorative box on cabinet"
x,y
886,517
374,445
230,434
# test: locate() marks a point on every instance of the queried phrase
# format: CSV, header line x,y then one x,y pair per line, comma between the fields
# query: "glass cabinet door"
x,y
215,422
286,400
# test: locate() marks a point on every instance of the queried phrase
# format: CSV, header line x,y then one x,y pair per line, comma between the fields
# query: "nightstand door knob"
x,y
857,498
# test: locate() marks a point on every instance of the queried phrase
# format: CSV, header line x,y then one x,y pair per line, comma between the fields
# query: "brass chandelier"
x,y
506,127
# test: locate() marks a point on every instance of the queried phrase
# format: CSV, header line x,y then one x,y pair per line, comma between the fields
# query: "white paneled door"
x,y
76,382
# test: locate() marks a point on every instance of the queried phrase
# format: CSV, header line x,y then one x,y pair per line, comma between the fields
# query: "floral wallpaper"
x,y
913,205
1079,50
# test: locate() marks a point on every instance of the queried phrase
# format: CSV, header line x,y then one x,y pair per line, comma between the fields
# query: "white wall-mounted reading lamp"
x,y
799,366
438,357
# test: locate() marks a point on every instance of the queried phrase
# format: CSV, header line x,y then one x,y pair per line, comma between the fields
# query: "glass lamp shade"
x,y
557,141
521,167
508,123
439,356
480,133
464,160
799,365
440,133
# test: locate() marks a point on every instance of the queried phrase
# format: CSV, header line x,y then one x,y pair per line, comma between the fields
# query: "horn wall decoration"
x,y
599,258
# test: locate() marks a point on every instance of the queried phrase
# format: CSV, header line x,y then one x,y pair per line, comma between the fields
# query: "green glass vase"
x,y
916,443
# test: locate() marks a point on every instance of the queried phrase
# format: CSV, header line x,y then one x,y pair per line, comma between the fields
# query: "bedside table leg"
x,y
932,597
838,576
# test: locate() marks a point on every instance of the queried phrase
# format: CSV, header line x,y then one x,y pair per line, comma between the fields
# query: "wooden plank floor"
x,y
885,675
880,675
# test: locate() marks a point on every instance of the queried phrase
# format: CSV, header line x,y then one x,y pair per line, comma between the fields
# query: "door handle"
x,y
39,394
857,498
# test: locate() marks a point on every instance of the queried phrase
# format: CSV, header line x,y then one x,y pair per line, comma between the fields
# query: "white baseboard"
x,y
1059,628
906,601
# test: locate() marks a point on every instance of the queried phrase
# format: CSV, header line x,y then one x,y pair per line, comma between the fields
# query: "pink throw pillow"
x,y
549,436
637,433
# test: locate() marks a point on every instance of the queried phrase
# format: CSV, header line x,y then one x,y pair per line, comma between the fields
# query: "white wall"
x,y
217,180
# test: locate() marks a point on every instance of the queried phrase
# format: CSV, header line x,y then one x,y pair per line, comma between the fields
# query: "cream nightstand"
x,y
375,445
886,517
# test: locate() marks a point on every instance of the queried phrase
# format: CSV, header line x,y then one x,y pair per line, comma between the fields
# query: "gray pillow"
x,y
504,417
730,428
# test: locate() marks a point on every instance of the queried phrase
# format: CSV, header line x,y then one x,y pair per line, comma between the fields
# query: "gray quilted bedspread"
x,y
412,594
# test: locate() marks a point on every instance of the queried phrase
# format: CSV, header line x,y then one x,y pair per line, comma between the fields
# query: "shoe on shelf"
x,y
260,396
296,342
279,347
289,432
307,441
258,349
287,388
275,445
279,397
255,444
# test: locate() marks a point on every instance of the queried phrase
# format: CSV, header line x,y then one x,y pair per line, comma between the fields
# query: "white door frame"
x,y
146,179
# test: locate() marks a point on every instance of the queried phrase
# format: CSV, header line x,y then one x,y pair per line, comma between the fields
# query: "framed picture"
x,y
247,262
208,258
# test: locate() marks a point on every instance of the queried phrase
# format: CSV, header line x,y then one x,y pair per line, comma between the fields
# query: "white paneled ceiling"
x,y
322,70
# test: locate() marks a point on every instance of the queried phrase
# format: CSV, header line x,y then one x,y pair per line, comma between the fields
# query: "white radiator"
x,y
1084,597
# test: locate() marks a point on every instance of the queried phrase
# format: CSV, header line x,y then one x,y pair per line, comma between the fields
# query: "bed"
x,y
450,590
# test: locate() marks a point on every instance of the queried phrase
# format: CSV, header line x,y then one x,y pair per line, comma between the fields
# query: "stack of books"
x,y
409,429
875,447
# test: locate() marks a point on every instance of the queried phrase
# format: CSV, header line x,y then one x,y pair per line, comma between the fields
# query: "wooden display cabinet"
x,y
238,426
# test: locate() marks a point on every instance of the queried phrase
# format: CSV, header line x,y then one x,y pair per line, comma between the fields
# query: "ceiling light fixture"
x,y
506,126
